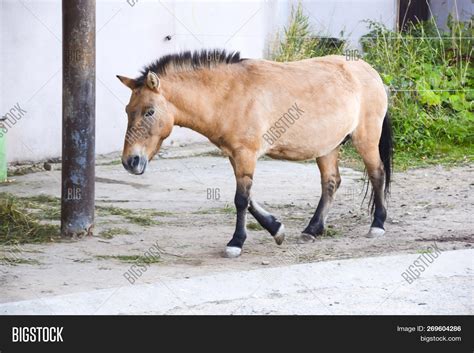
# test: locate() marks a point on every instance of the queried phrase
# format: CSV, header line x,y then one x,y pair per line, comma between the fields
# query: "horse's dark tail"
x,y
386,151
386,155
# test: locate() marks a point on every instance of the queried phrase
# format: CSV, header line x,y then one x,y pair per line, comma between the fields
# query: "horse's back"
x,y
352,69
321,75
335,94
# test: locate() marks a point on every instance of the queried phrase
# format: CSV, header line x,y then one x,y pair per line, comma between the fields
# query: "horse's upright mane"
x,y
187,60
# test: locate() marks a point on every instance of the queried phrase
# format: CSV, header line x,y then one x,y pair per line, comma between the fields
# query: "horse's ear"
x,y
152,81
129,82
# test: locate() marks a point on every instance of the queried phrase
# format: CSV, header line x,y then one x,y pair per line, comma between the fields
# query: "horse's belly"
x,y
307,140
290,154
299,152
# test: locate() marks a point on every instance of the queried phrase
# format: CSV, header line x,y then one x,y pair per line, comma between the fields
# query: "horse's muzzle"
x,y
135,164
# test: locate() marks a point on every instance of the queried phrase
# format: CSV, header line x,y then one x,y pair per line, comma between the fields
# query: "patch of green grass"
x,y
43,199
284,206
350,158
19,225
131,258
330,231
43,207
254,226
146,221
112,210
443,154
27,219
424,251
111,232
112,162
142,217
14,261
162,213
205,211
227,209
113,201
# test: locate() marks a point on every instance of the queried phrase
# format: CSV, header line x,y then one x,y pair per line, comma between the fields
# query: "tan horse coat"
x,y
296,111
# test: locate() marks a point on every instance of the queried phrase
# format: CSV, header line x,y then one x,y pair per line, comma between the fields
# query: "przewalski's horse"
x,y
249,108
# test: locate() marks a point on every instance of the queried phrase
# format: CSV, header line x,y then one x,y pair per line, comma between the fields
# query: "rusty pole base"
x,y
77,233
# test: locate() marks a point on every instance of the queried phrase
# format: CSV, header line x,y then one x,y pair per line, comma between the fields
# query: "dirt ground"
x,y
194,195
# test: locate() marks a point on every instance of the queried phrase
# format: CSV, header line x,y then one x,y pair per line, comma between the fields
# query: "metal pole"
x,y
78,151
3,153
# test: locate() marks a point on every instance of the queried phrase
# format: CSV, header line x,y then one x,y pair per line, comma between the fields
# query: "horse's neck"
x,y
195,99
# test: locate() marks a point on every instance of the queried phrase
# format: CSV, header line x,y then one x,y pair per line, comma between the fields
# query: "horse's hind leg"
x,y
375,170
330,181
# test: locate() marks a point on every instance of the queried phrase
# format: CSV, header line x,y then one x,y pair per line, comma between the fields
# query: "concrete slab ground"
x,y
357,286
190,192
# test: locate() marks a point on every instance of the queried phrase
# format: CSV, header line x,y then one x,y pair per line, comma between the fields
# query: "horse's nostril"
x,y
134,161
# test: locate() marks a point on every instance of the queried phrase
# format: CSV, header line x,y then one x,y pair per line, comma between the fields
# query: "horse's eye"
x,y
150,112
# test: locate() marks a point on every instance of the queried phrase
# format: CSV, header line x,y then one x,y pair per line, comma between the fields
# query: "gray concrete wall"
x,y
332,17
460,10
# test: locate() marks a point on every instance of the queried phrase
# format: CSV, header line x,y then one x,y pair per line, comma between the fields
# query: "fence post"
x,y
78,134
3,154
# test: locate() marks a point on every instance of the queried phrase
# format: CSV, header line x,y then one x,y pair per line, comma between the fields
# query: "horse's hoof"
x,y
232,251
375,232
280,235
306,238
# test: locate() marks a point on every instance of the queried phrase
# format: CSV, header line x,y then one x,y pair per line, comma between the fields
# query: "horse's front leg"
x,y
268,221
244,167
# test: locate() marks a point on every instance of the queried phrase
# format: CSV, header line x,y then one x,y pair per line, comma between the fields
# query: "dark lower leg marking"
x,y
265,219
380,213
329,188
241,201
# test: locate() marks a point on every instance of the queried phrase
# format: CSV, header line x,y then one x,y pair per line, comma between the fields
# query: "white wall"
x,y
460,10
128,37
331,17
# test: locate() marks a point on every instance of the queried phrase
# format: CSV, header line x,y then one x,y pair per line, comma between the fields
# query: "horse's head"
x,y
149,122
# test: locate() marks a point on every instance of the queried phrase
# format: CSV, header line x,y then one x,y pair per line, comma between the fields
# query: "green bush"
x,y
429,74
300,42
